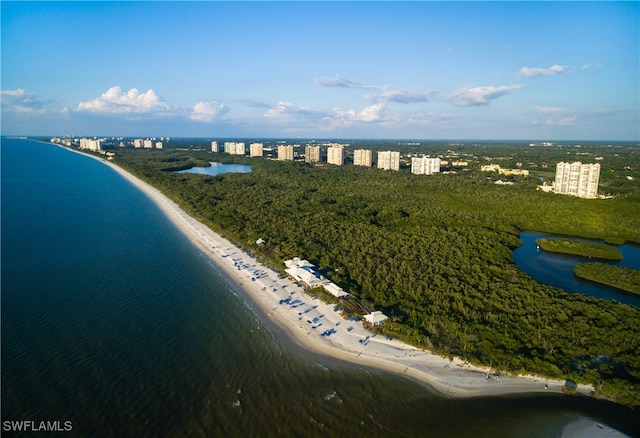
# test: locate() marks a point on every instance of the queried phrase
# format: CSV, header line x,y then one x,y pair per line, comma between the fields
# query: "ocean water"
x,y
113,321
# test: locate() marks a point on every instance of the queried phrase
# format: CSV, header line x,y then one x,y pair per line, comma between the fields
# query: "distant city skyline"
x,y
387,70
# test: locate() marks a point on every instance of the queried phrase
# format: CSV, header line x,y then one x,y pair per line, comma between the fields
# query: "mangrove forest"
x,y
583,249
622,278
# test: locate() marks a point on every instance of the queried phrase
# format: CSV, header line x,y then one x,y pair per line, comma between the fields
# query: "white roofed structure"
x,y
297,262
334,290
302,271
375,318
305,275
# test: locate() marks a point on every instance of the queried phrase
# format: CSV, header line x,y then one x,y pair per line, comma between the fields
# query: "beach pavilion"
x,y
375,318
303,272
334,289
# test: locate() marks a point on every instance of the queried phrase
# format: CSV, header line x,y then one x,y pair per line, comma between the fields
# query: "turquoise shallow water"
x,y
112,320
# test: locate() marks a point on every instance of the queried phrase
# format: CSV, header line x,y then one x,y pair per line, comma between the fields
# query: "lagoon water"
x,y
218,168
112,320
557,269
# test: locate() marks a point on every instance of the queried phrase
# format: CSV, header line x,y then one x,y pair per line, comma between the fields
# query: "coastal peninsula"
x,y
452,377
469,301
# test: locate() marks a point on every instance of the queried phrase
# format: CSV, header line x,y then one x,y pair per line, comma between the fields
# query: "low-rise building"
x,y
376,318
515,172
334,289
501,171
303,272
490,168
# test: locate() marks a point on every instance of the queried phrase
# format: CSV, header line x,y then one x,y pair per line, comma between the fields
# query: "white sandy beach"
x,y
305,319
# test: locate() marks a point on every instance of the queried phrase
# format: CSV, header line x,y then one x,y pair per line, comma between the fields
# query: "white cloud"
x,y
295,119
431,118
372,113
556,116
387,94
339,118
339,81
21,101
255,103
534,72
589,66
286,111
473,96
347,116
279,110
117,101
401,96
208,111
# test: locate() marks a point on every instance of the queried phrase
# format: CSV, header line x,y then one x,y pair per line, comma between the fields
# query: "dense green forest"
x,y
617,276
584,249
435,252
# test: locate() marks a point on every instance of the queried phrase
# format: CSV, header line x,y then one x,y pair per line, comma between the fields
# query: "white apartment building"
x,y
214,146
312,154
158,145
234,148
64,141
335,155
577,179
241,149
389,160
256,149
137,143
90,144
363,157
285,153
147,144
425,166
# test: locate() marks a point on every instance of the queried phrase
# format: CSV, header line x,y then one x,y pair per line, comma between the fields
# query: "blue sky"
x,y
414,70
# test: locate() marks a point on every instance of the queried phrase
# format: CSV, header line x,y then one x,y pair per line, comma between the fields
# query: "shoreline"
x,y
308,318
